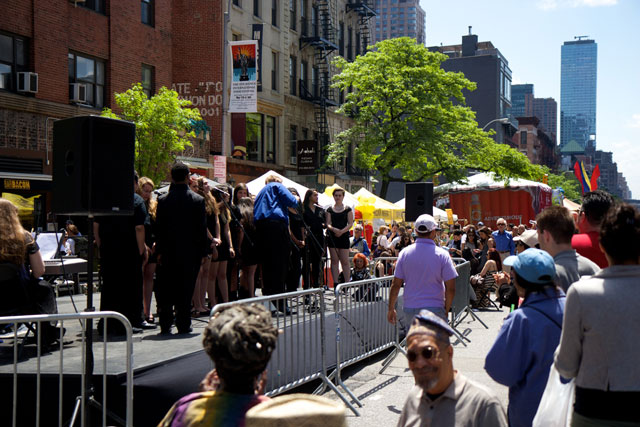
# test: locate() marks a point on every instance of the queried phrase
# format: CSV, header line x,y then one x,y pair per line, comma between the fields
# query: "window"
x,y
293,138
256,8
95,5
341,39
237,3
147,12
315,89
14,57
292,75
274,70
236,37
357,43
260,131
292,12
274,13
523,139
148,86
304,84
90,72
350,44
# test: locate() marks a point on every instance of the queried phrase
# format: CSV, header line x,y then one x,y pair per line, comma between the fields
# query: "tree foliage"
x,y
410,115
163,127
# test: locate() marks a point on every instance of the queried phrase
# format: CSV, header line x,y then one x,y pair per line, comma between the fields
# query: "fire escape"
x,y
319,33
365,11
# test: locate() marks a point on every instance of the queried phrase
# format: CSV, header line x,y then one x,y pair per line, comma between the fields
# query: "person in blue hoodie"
x,y
522,354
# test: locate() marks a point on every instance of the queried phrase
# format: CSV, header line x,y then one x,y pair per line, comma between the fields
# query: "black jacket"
x,y
181,225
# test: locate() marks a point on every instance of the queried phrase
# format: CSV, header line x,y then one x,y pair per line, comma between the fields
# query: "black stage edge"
x,y
158,385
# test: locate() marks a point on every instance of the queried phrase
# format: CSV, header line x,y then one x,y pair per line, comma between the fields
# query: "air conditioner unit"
x,y
77,92
28,82
294,160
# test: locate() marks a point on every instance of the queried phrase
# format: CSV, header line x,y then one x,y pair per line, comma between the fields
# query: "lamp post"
x,y
502,120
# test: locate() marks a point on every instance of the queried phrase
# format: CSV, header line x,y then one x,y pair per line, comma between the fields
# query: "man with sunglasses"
x,y
443,396
504,240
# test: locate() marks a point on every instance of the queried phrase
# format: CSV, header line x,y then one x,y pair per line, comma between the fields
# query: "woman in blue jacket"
x,y
522,354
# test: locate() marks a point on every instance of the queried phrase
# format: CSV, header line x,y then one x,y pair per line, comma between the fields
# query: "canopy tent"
x,y
486,198
257,184
372,206
349,199
572,206
438,213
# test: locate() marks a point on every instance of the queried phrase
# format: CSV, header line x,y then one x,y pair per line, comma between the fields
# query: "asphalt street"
x,y
383,395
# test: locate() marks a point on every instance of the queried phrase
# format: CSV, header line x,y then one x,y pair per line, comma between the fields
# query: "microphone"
x,y
220,191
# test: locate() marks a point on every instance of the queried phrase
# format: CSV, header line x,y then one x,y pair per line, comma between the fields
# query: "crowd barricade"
x,y
300,354
362,329
460,308
67,361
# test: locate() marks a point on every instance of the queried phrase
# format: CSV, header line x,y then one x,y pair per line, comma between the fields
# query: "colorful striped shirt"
x,y
211,408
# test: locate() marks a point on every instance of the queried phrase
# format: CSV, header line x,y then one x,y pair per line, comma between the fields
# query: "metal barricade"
x,y
460,308
362,329
67,360
300,354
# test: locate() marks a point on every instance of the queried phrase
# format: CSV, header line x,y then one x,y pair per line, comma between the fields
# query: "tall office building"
x,y
546,109
578,92
521,100
405,19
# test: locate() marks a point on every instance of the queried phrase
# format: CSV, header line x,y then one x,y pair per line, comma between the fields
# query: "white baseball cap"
x,y
425,224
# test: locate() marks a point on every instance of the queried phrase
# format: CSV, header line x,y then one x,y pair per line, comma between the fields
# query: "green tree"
x,y
569,183
410,115
163,127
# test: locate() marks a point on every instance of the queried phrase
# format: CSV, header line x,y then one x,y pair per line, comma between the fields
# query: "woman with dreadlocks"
x,y
239,339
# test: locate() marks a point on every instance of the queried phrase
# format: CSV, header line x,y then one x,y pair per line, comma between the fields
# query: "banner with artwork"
x,y
244,82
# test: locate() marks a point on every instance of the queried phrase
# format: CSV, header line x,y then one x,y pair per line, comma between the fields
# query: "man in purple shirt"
x,y
428,273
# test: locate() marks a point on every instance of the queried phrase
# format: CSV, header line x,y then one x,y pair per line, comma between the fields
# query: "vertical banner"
x,y
257,36
307,160
220,169
244,92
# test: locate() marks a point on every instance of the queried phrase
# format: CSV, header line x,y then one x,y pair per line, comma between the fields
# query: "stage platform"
x,y
166,367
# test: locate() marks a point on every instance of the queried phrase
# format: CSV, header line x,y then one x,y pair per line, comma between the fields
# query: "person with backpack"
x,y
522,354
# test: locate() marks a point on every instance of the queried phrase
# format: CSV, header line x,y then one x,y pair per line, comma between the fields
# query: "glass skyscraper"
x,y
578,91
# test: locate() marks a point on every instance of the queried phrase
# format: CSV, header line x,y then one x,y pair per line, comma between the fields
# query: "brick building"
x,y
82,53
533,141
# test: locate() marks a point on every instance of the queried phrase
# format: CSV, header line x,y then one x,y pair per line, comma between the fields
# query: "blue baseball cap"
x,y
533,265
425,320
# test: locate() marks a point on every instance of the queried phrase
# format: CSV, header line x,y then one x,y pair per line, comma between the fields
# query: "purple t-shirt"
x,y
424,267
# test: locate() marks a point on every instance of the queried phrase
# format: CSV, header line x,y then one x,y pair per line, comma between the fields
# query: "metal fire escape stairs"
x,y
365,10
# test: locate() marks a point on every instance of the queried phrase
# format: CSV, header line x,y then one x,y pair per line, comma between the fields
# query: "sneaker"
x,y
22,331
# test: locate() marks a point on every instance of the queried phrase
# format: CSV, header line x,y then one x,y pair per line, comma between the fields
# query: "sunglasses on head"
x,y
427,353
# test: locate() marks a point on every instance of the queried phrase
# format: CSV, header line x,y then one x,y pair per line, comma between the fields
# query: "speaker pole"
x,y
88,373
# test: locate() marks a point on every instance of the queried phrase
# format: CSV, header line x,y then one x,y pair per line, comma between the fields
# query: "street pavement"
x,y
383,395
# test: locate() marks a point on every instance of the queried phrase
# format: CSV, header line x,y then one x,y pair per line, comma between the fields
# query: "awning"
x,y
195,163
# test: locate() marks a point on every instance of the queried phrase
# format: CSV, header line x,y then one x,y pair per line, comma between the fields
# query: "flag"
x,y
583,177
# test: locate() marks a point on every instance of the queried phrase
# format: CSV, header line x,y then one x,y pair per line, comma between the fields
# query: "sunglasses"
x,y
428,353
502,225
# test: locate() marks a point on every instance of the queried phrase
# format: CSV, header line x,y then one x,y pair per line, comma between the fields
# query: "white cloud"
x,y
635,121
554,4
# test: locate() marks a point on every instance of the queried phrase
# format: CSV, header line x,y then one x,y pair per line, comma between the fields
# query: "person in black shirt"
x,y
314,218
339,219
297,245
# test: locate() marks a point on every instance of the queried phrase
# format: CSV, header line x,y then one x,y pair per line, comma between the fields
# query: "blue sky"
x,y
529,34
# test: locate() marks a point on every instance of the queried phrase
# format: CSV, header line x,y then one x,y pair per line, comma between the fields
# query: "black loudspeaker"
x,y
418,200
93,166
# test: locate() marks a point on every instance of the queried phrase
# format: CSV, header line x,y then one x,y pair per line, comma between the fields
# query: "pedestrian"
x,y
123,253
600,343
339,220
235,264
271,217
503,240
526,240
595,205
357,243
145,190
296,244
443,396
226,251
427,272
181,243
248,247
314,218
202,281
239,340
555,230
521,355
